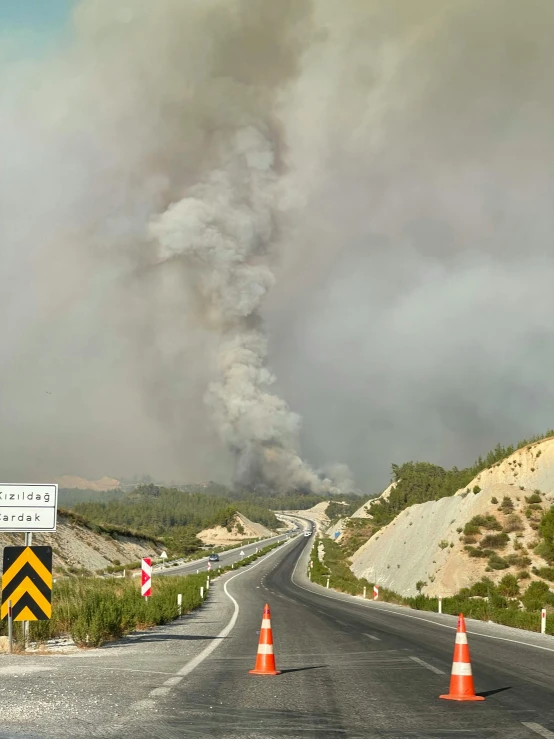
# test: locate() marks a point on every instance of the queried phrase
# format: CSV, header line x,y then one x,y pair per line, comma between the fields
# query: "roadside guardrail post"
x,y
543,621
440,603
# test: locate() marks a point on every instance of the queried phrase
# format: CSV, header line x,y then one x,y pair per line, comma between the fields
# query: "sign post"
x,y
10,628
543,621
163,555
25,509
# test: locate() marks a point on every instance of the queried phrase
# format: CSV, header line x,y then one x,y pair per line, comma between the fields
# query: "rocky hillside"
x,y
76,546
489,527
240,529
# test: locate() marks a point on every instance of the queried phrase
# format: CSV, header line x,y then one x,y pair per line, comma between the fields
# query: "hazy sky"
x,y
411,316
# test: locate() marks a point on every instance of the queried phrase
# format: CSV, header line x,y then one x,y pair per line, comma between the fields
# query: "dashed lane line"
x,y
538,729
428,666
370,636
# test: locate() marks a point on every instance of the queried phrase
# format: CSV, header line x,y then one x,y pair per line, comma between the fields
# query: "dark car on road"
x,y
213,558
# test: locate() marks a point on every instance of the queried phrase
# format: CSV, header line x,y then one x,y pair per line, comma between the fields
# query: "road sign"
x,y
336,534
28,507
146,588
209,566
242,552
163,555
27,583
375,592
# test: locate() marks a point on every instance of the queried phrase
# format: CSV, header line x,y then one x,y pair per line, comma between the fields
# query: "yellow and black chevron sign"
x,y
27,582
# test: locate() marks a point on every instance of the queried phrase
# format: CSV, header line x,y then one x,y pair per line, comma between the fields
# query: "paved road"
x,y
353,670
350,668
225,558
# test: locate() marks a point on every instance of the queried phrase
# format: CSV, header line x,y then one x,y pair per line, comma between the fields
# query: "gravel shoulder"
x,y
96,692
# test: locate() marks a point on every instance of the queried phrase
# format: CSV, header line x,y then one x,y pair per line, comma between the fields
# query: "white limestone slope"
x,y
411,548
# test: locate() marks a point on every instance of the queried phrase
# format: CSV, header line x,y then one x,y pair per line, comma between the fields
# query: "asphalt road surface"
x,y
353,670
350,668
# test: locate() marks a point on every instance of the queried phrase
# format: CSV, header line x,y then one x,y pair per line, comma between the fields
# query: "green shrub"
x,y
546,529
494,541
534,498
508,586
537,596
482,588
507,504
494,500
497,563
475,552
547,573
518,560
477,522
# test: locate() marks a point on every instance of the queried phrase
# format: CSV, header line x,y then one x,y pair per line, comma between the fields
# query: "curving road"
x,y
355,669
350,668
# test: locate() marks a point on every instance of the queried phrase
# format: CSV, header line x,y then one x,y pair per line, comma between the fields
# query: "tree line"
x,y
418,482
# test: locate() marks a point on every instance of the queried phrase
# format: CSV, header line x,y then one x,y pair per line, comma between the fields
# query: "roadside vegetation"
x,y
94,610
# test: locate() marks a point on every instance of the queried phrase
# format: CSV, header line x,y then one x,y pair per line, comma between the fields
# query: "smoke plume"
x,y
222,228
213,212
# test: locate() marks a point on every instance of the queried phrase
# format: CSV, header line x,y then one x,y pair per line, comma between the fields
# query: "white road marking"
x,y
341,622
428,666
370,636
173,680
538,729
159,691
193,664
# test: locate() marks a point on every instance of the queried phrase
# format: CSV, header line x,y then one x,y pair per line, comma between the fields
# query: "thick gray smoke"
x,y
369,181
221,227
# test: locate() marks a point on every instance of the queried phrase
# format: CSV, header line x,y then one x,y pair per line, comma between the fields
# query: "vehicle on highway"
x,y
307,533
213,557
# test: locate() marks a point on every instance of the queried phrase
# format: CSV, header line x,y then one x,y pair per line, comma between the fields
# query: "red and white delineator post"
x,y
146,586
375,592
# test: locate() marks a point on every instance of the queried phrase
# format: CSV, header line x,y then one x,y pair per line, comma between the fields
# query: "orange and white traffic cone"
x,y
461,679
265,659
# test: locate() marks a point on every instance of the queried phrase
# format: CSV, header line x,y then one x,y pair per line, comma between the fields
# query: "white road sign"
x,y
163,555
28,507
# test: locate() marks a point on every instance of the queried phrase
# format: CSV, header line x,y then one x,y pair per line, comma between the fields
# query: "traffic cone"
x,y
461,678
265,659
